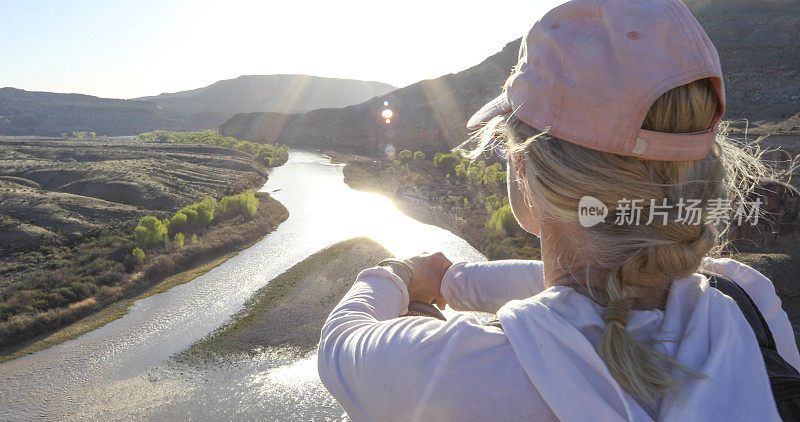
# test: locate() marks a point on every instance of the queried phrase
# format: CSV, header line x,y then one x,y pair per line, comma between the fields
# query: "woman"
x,y
613,104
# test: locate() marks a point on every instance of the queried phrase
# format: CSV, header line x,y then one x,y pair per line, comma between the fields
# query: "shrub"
x,y
161,267
419,155
178,240
138,253
405,155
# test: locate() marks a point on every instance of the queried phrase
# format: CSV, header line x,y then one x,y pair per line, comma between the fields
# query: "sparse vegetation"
x,y
83,135
46,288
267,155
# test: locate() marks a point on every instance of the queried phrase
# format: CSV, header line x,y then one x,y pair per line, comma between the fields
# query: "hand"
x,y
428,271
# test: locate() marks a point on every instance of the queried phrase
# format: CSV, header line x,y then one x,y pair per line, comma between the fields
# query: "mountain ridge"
x,y
758,42
286,93
25,112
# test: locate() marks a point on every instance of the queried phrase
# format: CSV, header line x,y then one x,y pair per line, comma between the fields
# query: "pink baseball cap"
x,y
590,70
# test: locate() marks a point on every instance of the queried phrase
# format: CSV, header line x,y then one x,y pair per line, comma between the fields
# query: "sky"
x,y
134,48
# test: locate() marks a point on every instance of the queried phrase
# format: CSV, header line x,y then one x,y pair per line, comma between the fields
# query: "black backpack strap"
x,y
783,377
746,305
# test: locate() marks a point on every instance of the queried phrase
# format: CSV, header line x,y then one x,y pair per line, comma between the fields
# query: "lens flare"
x,y
387,114
389,151
388,121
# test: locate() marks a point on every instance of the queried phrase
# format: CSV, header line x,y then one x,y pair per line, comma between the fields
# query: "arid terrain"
x,y
55,190
87,223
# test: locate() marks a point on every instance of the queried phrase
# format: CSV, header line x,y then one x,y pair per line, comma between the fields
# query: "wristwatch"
x,y
400,268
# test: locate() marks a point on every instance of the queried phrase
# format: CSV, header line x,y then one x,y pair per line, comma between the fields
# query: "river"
x,y
126,371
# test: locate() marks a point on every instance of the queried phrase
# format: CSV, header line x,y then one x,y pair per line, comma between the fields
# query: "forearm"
x,y
487,286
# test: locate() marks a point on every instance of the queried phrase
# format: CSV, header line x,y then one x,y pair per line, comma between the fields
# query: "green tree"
x,y
446,162
475,174
492,203
177,224
266,154
419,155
494,175
205,210
191,217
245,204
461,170
150,231
405,155
500,221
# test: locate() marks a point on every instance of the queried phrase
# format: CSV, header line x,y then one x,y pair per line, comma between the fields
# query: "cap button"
x,y
633,35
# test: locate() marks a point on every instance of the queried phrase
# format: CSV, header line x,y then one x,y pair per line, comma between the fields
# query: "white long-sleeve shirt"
x,y
543,366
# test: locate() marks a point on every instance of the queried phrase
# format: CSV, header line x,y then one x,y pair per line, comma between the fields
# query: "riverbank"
x,y
475,209
218,243
365,174
285,317
780,262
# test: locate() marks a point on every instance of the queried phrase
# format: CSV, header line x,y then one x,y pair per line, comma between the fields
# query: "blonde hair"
x,y
633,261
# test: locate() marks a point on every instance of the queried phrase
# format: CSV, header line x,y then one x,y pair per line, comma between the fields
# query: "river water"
x,y
126,371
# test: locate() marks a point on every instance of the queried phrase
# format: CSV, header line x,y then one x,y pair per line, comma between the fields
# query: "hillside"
x,y
270,93
56,191
428,113
50,114
758,41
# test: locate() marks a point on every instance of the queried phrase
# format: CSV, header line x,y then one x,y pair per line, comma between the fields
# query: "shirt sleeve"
x,y
487,286
762,291
381,367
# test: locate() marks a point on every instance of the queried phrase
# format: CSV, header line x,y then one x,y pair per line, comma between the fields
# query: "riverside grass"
x,y
271,211
114,311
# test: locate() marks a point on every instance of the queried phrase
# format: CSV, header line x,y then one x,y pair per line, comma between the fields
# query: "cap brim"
x,y
492,109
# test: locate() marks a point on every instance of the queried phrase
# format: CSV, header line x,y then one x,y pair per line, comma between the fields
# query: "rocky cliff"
x,y
758,41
